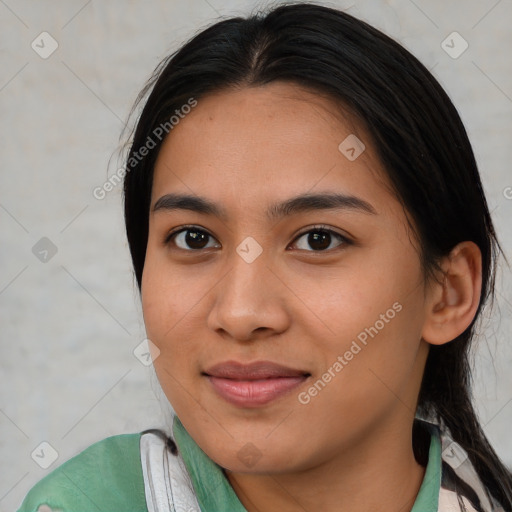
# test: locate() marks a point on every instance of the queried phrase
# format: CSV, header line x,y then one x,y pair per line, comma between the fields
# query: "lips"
x,y
255,384
253,371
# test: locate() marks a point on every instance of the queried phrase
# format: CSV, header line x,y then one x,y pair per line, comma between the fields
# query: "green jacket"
x,y
106,476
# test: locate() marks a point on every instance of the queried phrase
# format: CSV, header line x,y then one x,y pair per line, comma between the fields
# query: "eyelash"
x,y
317,228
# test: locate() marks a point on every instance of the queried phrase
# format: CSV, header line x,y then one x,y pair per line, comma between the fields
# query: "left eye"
x,y
320,239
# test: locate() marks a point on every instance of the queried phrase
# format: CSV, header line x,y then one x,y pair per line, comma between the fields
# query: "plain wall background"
x,y
69,325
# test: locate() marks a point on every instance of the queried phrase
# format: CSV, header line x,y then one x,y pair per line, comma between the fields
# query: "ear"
x,y
452,303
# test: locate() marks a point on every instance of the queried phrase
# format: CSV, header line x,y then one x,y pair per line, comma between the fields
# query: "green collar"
x,y
214,492
428,495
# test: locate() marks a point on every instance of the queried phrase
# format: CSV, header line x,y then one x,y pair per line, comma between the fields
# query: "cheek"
x,y
164,301
156,307
375,316
363,383
170,306
367,299
165,316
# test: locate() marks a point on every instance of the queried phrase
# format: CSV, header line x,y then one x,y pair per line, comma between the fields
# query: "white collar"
x,y
167,484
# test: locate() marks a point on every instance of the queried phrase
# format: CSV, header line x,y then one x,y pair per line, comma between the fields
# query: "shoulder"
x,y
105,476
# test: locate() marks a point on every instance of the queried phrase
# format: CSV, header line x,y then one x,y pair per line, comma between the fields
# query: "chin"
x,y
256,457
261,466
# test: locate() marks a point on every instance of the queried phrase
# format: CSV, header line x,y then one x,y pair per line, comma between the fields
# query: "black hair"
x,y
169,442
415,130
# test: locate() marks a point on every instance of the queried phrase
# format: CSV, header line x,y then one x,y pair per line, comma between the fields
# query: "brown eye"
x,y
320,239
189,239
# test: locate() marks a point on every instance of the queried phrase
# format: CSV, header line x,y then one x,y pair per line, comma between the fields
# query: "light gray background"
x,y
69,326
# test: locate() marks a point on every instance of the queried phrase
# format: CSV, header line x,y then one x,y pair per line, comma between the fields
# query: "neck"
x,y
376,473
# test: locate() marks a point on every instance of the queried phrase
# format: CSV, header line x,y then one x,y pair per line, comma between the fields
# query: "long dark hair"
x,y
416,131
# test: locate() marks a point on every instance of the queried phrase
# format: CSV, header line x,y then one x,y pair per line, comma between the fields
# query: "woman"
x,y
313,249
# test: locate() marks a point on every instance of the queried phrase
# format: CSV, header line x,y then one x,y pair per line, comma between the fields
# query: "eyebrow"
x,y
292,206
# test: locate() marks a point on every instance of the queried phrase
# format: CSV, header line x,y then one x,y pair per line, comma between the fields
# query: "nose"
x,y
250,301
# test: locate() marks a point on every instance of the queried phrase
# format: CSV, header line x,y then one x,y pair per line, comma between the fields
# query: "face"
x,y
326,297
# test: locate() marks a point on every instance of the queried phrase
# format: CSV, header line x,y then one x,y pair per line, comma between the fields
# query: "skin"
x,y
349,448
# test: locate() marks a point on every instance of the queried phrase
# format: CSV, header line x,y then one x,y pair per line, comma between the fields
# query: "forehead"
x,y
254,143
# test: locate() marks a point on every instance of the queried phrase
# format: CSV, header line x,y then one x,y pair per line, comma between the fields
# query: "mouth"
x,y
253,385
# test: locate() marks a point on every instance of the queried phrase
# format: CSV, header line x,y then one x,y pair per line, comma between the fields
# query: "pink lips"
x,y
255,384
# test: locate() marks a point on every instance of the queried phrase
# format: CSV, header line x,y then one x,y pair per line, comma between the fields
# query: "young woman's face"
x,y
330,289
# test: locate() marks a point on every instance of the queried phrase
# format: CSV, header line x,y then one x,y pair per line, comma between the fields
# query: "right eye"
x,y
188,238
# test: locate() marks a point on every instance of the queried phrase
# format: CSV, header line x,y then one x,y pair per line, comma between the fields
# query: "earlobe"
x,y
452,303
